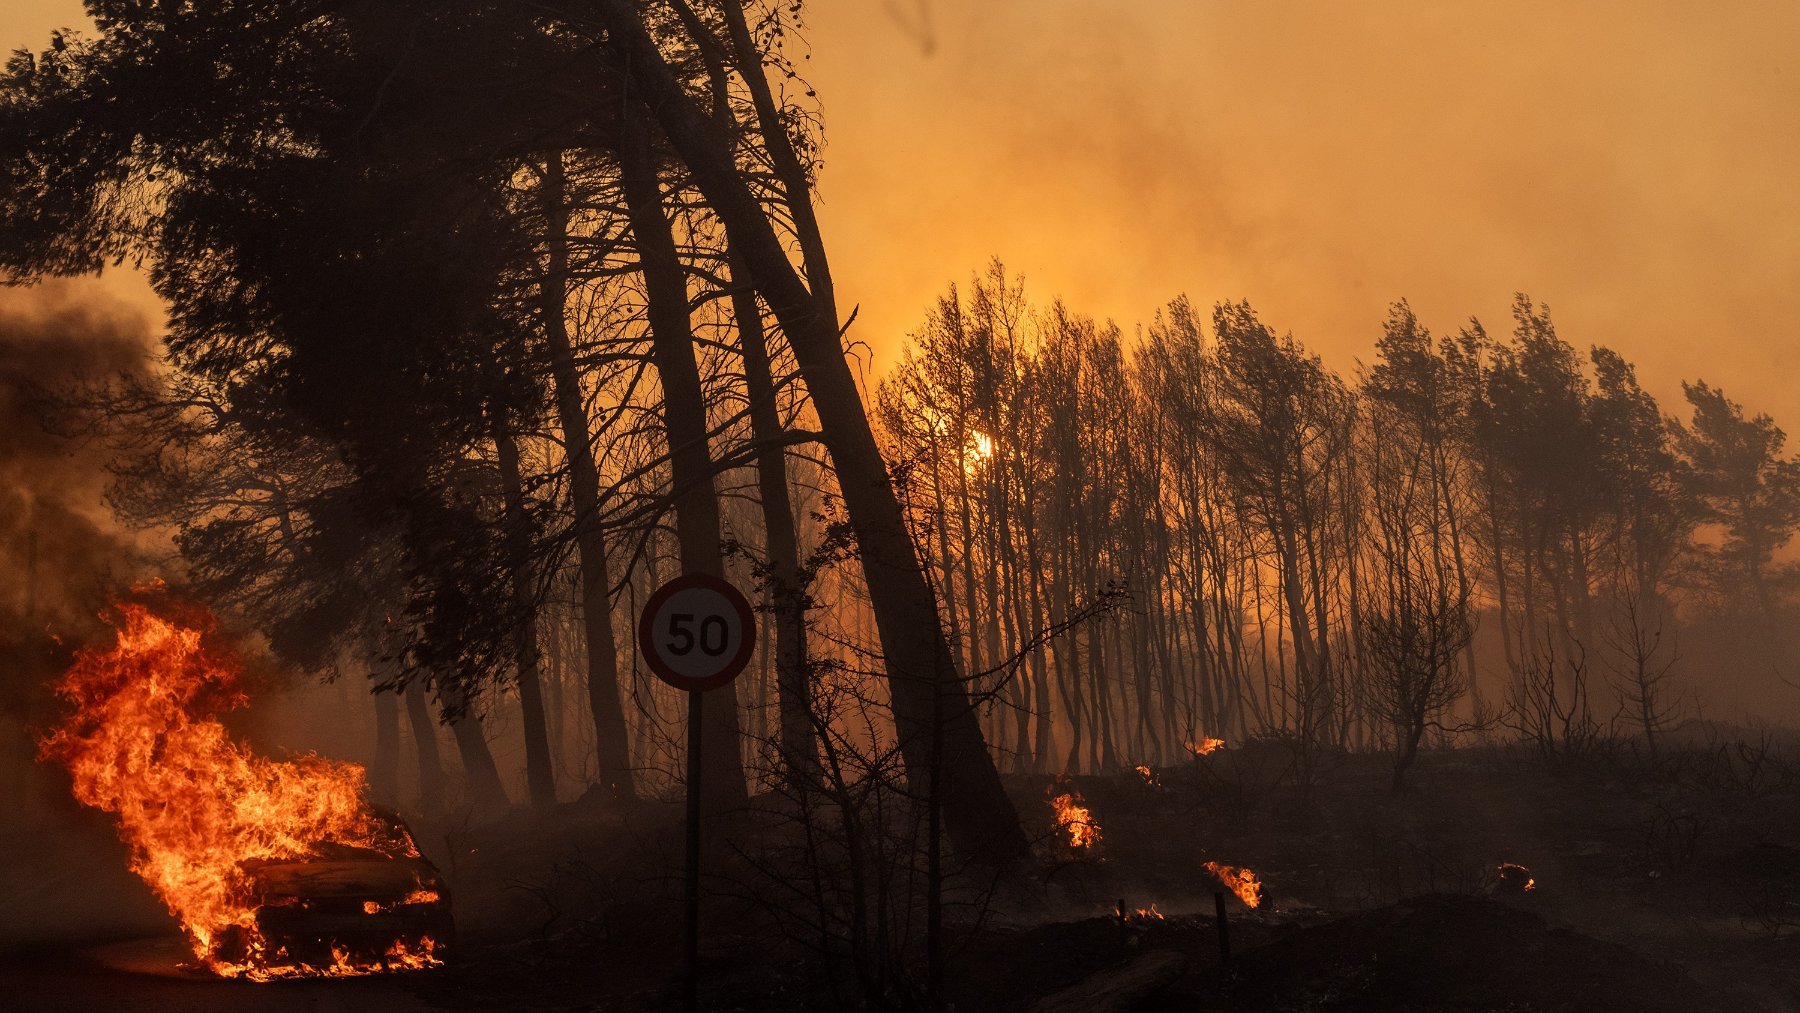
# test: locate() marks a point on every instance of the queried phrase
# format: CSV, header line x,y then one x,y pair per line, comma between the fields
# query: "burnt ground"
x,y
1658,887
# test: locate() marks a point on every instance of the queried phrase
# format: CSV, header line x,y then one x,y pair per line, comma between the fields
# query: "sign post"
x,y
696,633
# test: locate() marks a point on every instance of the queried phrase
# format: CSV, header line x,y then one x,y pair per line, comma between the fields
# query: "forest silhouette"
x,y
486,320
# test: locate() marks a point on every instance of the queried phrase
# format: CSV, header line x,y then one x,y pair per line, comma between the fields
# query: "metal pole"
x,y
690,988
1224,928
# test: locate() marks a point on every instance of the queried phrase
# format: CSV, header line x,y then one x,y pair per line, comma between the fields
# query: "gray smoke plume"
x,y
60,553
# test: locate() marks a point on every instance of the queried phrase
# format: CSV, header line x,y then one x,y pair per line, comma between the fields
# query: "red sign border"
x,y
646,632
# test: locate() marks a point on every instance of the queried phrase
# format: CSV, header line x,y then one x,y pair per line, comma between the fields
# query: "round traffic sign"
x,y
697,632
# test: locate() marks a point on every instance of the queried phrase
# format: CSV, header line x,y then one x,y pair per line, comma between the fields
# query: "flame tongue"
x,y
1240,881
194,805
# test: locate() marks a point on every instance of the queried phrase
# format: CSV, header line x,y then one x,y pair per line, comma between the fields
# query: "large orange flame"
x,y
1242,882
194,805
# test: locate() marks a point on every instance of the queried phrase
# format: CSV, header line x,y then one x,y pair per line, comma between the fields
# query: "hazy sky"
x,y
1632,164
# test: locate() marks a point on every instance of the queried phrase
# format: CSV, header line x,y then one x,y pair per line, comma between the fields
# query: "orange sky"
x,y
1633,164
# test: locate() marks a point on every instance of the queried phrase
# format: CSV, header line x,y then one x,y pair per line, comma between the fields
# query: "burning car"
x,y
357,911
274,868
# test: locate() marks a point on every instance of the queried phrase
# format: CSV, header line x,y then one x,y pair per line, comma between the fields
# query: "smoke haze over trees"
x,y
1472,533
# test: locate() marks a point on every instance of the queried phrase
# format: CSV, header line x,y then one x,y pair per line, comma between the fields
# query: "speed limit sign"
x,y
697,632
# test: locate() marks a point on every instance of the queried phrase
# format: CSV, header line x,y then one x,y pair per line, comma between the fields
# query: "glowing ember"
x,y
1205,747
1149,776
1516,878
1242,882
1072,816
211,825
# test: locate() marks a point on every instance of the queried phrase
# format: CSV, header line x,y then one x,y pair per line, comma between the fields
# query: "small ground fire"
x,y
1073,816
271,866
1515,878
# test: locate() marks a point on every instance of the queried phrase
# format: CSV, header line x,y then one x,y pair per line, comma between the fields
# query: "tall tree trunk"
x,y
787,595
554,673
1459,556
1018,632
485,787
974,627
1581,598
685,420
1046,716
1305,669
978,816
1325,671
425,745
1100,745
540,778
384,772
611,745
941,526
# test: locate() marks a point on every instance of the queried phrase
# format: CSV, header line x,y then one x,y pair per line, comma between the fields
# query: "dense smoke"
x,y
58,545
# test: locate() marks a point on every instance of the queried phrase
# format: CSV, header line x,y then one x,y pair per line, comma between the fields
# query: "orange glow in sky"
x,y
1632,164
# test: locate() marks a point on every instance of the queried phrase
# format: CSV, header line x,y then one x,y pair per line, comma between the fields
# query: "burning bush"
x,y
1072,815
233,843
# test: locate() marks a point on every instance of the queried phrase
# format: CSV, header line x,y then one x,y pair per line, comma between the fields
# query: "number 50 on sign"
x,y
697,632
